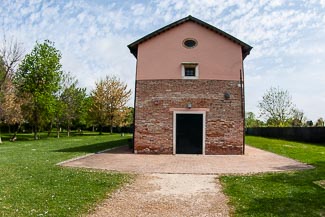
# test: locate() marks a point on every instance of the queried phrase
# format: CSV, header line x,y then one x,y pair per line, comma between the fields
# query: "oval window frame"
x,y
190,39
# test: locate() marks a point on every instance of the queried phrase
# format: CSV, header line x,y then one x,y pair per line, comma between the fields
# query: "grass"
x,y
280,194
32,185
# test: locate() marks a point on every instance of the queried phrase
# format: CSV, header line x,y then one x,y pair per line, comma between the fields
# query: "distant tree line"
x,y
277,110
35,91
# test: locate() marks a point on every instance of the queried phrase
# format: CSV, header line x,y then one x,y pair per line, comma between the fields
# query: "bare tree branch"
x,y
276,106
11,53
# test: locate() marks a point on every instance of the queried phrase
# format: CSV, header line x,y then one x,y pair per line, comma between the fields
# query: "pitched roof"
x,y
134,46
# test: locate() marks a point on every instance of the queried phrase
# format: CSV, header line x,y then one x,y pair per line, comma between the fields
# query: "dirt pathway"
x,y
167,195
181,185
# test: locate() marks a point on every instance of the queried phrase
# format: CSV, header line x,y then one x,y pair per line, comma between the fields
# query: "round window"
x,y
189,43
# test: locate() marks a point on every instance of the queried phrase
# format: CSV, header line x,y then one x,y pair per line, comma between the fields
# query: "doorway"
x,y
189,133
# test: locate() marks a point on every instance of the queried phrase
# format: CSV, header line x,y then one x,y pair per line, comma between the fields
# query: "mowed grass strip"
x,y
32,185
280,194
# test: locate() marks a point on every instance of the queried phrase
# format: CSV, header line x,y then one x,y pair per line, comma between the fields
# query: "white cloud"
x,y
322,3
276,3
138,9
287,37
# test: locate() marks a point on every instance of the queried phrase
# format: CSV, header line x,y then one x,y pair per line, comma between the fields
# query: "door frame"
x,y
203,113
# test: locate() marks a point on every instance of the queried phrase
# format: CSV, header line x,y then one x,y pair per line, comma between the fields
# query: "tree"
x,y
109,98
276,107
66,80
11,54
69,103
309,123
298,118
2,73
39,76
73,99
320,122
89,116
11,106
252,121
124,118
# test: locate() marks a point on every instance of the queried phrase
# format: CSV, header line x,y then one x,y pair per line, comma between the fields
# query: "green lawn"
x,y
32,185
280,194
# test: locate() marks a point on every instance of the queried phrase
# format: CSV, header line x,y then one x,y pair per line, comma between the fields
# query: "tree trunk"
x,y
50,129
57,131
93,128
0,135
111,124
68,128
100,129
13,138
57,128
35,125
9,129
122,131
35,133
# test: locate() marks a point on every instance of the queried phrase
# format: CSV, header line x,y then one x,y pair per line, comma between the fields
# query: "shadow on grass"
x,y
294,167
295,204
300,178
283,194
20,137
44,135
93,148
64,134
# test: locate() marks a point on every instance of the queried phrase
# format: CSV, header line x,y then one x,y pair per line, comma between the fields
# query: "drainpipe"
x,y
135,101
242,90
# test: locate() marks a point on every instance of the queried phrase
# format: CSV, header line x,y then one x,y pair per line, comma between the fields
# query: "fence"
x,y
304,134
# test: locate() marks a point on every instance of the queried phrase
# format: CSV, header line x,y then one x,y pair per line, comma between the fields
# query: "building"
x,y
189,96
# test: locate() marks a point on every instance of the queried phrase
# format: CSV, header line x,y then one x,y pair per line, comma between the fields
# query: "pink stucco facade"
x,y
162,56
181,112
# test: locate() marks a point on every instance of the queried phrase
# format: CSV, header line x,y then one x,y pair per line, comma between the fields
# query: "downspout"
x,y
135,101
242,89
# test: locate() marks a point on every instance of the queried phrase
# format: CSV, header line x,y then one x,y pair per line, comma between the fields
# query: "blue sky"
x,y
287,36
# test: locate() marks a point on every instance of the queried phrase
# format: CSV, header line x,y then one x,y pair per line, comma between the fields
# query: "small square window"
x,y
190,70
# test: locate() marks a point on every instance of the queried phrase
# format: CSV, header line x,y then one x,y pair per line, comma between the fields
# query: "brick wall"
x,y
154,120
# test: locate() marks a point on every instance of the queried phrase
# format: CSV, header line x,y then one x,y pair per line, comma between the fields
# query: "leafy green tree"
x,y
124,118
39,76
66,80
298,118
89,119
319,122
109,98
252,121
73,99
276,107
309,123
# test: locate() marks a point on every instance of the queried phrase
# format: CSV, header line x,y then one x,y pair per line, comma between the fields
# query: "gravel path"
x,y
181,185
167,195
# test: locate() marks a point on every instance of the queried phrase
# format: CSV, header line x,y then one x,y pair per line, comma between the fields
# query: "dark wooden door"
x,y
189,133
